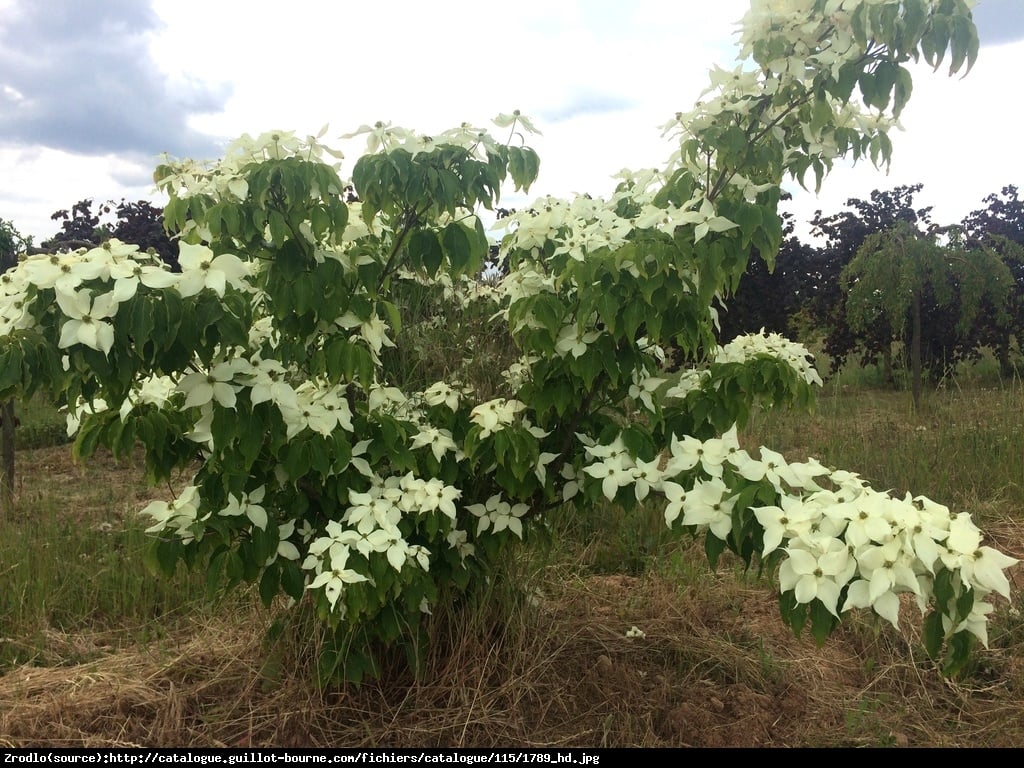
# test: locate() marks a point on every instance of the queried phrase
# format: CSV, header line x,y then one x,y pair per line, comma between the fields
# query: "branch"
x,y
63,245
412,218
559,462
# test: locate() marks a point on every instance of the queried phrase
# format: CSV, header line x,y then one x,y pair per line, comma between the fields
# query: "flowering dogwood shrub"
x,y
332,470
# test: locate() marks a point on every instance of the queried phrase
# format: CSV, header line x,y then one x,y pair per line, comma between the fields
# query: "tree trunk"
x,y
7,456
915,352
887,365
1003,355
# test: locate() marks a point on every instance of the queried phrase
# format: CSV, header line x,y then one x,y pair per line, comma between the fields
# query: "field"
x,y
96,652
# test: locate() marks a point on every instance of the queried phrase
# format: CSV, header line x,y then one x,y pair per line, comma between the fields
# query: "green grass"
x,y
71,552
965,447
41,424
63,576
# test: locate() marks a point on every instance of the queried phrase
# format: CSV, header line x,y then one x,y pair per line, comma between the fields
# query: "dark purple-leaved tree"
x,y
1000,227
86,225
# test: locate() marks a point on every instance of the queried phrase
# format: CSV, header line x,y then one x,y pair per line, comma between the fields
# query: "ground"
x,y
714,667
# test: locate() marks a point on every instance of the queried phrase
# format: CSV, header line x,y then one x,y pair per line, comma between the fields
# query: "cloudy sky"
x,y
92,91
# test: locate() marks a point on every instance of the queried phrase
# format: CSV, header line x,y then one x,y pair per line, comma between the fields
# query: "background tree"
x,y
140,223
805,285
79,227
1000,227
893,274
845,233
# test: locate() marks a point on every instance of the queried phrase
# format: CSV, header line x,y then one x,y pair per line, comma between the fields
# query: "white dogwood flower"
x,y
817,569
334,579
129,274
64,272
200,269
498,515
495,415
86,319
250,505
214,385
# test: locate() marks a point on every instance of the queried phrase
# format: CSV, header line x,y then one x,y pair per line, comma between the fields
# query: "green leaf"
x,y
224,426
141,322
319,457
121,437
10,369
335,356
269,583
822,621
150,559
885,78
234,568
280,232
713,548
215,573
793,613
935,42
943,587
297,461
589,365
457,246
349,361
292,580
964,43
502,444
958,653
638,442
425,251
964,604
933,634
393,314
341,452
88,438
549,310
749,217
251,434
868,87
633,315
608,307
167,553
358,365
264,543
904,87
339,212
524,166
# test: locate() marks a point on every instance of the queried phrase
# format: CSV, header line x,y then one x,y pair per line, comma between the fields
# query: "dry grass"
x,y
716,668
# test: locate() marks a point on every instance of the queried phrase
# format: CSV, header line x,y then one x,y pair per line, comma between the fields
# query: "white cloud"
x,y
597,76
38,182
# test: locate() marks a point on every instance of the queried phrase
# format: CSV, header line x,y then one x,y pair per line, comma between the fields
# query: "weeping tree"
x,y
844,234
900,274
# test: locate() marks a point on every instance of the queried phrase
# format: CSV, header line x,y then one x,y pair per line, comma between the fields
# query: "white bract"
x,y
200,270
216,384
87,319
